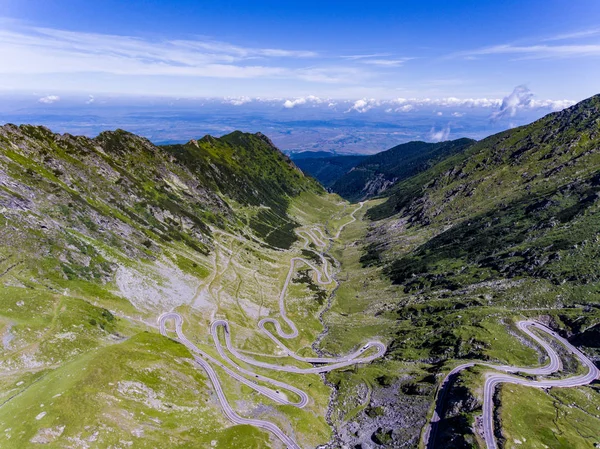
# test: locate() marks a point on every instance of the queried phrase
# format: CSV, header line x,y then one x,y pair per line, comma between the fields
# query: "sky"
x,y
498,57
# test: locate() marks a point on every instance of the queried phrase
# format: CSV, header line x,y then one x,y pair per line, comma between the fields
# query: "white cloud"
x,y
405,108
90,100
237,101
458,114
364,105
49,99
439,136
520,97
289,104
539,51
439,113
555,105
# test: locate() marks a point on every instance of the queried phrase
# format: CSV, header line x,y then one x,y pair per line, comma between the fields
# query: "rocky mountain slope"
x,y
518,203
133,196
506,229
359,177
379,172
100,236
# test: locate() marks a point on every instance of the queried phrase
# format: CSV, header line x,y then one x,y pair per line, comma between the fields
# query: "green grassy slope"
x,y
559,418
327,170
377,173
100,236
508,229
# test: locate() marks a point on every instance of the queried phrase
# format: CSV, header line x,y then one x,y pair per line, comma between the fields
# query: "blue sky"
x,y
314,75
290,50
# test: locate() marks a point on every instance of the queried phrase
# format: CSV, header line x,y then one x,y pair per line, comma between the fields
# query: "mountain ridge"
x,y
102,236
365,176
505,230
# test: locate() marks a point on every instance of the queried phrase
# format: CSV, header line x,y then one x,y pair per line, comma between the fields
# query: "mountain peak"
x,y
265,139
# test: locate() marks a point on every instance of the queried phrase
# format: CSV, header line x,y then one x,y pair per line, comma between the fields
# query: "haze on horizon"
x,y
336,75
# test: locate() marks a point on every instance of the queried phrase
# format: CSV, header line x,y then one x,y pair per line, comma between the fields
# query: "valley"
x,y
299,225
212,295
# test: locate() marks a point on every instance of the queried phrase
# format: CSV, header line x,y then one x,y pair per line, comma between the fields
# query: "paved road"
x,y
360,205
494,379
235,371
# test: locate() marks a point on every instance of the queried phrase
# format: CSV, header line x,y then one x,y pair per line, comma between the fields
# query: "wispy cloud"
x,y
366,56
533,51
574,35
386,62
34,50
521,96
441,135
49,99
583,44
378,59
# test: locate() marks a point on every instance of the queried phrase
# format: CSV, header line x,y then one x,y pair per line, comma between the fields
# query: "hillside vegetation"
x,y
520,203
327,170
506,229
100,236
376,174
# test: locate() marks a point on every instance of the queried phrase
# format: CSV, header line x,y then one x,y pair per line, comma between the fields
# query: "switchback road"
x,y
493,379
232,369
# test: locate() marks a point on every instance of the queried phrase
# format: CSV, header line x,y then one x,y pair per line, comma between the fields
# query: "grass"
x,y
144,390
457,290
561,418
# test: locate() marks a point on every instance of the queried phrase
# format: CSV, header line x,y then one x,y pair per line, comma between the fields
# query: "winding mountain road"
x,y
324,364
492,380
360,205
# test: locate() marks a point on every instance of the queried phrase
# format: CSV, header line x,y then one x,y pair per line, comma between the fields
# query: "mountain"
x,y
296,156
506,229
250,170
377,173
98,238
185,185
327,170
145,290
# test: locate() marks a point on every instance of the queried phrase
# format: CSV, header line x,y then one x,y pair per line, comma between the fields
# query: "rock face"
x,y
391,418
378,185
